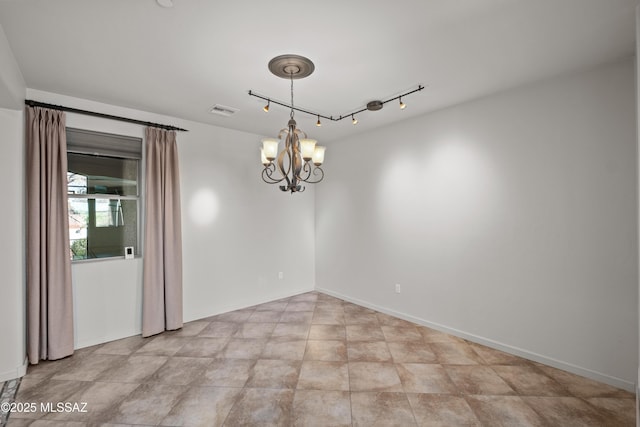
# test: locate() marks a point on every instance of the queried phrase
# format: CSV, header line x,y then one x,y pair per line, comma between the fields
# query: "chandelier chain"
x,y
292,106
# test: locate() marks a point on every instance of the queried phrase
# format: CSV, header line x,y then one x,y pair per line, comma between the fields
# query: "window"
x,y
103,193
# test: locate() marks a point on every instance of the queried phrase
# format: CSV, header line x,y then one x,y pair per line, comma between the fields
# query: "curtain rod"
x,y
102,115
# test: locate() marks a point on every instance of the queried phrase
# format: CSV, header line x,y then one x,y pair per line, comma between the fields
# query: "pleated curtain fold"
x,y
162,271
48,263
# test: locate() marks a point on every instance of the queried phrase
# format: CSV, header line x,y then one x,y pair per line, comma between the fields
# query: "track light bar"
x,y
372,106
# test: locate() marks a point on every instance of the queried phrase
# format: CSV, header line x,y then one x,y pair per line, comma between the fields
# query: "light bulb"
x,y
354,120
318,122
266,107
402,104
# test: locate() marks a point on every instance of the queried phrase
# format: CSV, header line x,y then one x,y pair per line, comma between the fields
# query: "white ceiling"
x,y
181,61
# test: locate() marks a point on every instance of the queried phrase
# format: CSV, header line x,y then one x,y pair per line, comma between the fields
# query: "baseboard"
x,y
251,303
104,339
113,337
578,370
19,371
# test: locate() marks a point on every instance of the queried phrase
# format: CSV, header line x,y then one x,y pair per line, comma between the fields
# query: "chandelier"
x,y
300,159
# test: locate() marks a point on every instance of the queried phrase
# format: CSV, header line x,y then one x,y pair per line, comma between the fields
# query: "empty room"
x,y
340,213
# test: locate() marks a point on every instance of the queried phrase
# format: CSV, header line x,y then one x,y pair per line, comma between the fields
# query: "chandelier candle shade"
x,y
300,159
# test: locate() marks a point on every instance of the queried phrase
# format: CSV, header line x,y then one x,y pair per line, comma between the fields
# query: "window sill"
x,y
111,258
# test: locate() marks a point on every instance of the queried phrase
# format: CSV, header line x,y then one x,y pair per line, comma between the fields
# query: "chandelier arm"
x,y
316,171
269,179
306,168
283,132
267,174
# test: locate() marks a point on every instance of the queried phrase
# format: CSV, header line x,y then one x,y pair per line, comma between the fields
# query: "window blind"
x,y
103,144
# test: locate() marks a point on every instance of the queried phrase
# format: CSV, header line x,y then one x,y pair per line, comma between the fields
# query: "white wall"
x,y
238,232
12,296
12,85
510,220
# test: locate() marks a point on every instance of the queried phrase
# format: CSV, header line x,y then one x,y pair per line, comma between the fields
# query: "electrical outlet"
x,y
281,275
397,288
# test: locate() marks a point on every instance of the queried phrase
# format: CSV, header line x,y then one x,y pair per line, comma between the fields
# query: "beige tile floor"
x,y
313,360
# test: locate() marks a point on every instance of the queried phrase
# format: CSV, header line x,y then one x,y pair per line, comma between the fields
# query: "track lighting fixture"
x,y
374,105
266,107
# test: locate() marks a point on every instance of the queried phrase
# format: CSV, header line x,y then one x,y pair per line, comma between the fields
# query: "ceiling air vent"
x,y
223,110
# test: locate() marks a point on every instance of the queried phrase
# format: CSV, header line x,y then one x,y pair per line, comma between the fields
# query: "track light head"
x,y
402,104
318,122
354,120
266,107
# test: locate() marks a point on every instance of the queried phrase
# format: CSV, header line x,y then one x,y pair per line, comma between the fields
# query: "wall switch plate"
x,y
128,252
397,288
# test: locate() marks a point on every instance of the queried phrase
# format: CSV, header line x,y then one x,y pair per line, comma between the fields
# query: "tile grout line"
x,y
331,313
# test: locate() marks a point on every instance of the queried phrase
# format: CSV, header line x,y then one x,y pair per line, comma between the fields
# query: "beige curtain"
x,y
49,293
162,272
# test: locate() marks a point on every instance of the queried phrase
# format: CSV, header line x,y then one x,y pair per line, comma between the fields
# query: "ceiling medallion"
x,y
291,66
